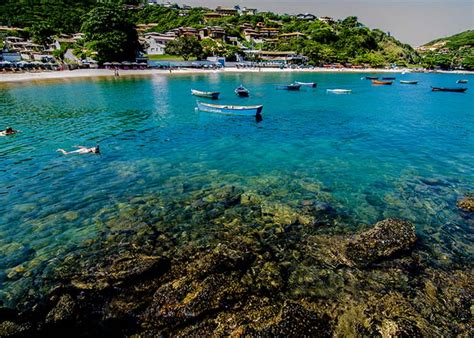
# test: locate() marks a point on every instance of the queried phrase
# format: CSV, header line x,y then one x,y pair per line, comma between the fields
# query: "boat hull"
x,y
241,92
371,77
307,84
230,110
462,81
453,90
339,91
409,82
294,87
382,83
208,95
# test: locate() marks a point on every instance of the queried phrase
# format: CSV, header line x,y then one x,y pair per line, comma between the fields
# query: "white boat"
x,y
307,84
230,110
209,95
339,91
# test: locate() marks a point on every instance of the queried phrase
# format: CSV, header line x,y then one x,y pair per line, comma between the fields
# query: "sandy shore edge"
x,y
94,73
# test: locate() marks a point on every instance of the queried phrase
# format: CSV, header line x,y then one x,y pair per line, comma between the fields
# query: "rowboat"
x,y
292,86
408,82
230,110
371,77
388,78
382,83
339,91
241,91
442,89
209,95
462,81
307,84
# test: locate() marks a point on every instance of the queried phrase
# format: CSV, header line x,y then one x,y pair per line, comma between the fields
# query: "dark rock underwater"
x,y
229,262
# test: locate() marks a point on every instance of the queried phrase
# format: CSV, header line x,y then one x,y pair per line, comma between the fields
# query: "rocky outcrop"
x,y
466,204
385,239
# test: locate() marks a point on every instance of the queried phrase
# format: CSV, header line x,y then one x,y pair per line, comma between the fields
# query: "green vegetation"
x,y
110,33
452,52
344,41
186,47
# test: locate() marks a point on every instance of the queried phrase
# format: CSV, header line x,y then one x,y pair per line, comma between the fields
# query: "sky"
x,y
415,22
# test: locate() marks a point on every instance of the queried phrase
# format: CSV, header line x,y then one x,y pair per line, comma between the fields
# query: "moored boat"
x,y
209,95
307,84
462,81
388,78
382,83
339,91
241,91
444,89
371,77
229,109
408,82
292,86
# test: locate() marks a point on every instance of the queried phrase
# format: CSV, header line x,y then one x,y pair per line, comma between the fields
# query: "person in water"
x,y
8,131
81,150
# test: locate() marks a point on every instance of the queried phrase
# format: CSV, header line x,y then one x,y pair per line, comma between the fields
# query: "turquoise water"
x,y
390,151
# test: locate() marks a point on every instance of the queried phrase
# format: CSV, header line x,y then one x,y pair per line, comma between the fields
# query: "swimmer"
x,y
81,150
8,131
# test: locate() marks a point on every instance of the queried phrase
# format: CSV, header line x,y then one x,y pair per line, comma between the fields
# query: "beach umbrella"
x,y
126,63
116,63
107,63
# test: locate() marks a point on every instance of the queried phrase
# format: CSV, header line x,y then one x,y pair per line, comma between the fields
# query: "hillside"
x,y
320,40
453,52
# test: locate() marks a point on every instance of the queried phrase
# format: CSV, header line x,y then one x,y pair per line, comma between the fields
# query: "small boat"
x,y
462,81
371,77
230,110
292,86
339,91
443,89
209,95
242,91
408,82
382,83
307,84
388,78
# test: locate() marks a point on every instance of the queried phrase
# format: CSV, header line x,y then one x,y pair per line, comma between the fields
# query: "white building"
x,y
156,43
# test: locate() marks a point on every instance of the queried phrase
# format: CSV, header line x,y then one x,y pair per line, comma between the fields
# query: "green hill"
x,y
453,52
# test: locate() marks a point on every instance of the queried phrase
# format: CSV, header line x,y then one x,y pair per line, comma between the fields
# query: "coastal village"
x,y
227,40
28,54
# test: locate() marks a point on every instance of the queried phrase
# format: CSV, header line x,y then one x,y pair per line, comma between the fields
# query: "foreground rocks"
x,y
230,263
466,204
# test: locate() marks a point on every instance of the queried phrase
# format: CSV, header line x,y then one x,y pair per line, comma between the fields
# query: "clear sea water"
x,y
388,151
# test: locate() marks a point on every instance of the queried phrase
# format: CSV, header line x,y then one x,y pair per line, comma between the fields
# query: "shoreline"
x,y
97,73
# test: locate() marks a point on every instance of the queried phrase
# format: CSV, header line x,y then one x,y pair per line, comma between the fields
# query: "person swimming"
x,y
81,150
8,131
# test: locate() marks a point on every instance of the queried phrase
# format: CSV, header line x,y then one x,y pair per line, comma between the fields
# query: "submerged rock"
x,y
387,238
466,204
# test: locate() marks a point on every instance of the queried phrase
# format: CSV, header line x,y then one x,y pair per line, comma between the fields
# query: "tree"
x,y
184,46
110,32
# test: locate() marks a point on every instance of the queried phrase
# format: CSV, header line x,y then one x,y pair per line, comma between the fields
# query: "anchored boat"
x,y
462,81
408,82
339,91
209,95
443,89
242,91
307,84
382,83
371,77
292,86
230,110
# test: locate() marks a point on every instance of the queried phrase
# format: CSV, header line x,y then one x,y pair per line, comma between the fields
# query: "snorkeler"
x,y
8,131
81,150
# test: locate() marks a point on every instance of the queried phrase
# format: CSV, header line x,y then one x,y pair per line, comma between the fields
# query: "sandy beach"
x,y
95,73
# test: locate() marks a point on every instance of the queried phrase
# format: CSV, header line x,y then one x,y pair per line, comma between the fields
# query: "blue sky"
x,y
414,22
